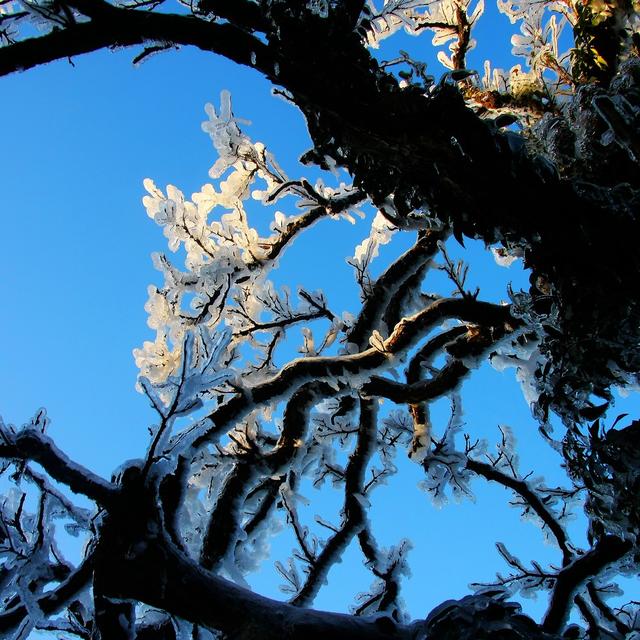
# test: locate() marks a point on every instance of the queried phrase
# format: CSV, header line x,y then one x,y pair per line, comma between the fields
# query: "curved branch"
x,y
119,27
240,12
609,549
223,526
406,266
530,497
29,444
324,368
472,343
160,575
448,378
52,601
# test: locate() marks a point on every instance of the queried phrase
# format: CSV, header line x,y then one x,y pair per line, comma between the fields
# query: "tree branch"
x,y
393,279
116,27
530,497
354,514
608,549
324,368
223,526
471,344
160,575
52,601
247,15
29,444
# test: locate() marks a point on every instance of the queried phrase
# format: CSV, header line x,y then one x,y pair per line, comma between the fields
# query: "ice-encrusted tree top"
x,y
262,392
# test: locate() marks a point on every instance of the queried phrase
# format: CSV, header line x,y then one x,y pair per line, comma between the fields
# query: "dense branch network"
x,y
172,537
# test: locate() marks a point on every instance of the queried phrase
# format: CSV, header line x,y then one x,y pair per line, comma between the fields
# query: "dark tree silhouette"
x,y
161,558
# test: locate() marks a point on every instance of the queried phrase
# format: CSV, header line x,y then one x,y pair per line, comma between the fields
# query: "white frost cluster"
x,y
319,7
441,16
445,465
541,26
380,234
446,12
527,359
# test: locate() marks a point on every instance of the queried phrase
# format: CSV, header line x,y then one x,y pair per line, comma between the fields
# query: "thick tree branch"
x,y
115,27
223,527
242,13
324,368
29,444
605,610
391,281
474,342
158,574
53,601
609,549
224,521
446,380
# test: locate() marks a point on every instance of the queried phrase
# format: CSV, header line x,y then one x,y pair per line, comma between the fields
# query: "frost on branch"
x,y
445,466
33,512
227,262
266,394
381,233
450,20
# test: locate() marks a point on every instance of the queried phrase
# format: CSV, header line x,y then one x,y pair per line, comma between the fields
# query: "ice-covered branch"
x,y
30,444
224,521
531,498
605,610
469,345
159,574
388,566
392,280
223,528
354,514
270,490
334,205
608,549
113,26
52,601
324,368
240,12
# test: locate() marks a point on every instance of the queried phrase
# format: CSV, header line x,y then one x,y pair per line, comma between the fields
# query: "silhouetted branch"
x,y
608,549
52,601
29,444
353,513
115,27
531,498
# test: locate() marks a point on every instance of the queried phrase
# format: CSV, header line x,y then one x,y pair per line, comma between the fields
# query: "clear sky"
x,y
75,265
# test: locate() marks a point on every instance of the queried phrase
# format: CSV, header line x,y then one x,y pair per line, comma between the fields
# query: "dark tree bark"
x,y
431,162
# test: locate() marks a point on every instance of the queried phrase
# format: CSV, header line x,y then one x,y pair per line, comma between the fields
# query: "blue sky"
x,y
75,265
